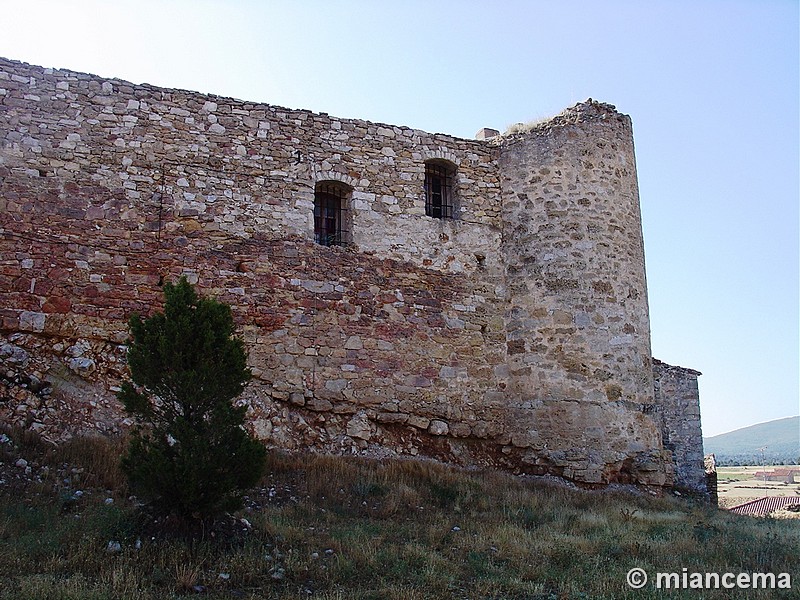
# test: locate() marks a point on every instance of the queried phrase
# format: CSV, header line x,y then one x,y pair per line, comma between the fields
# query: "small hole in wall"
x,y
481,258
42,173
160,281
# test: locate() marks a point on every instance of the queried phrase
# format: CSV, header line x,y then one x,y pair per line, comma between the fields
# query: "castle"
x,y
482,302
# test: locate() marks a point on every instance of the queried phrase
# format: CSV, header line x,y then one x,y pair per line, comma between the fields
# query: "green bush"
x,y
189,454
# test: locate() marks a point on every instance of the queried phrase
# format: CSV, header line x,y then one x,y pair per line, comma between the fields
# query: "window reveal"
x,y
439,194
330,208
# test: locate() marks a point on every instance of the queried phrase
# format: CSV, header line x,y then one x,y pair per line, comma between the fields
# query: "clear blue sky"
x,y
712,88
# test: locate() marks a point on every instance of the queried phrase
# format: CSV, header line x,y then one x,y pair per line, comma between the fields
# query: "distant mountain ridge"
x,y
780,440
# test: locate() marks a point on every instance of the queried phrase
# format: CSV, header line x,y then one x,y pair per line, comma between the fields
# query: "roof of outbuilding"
x,y
764,506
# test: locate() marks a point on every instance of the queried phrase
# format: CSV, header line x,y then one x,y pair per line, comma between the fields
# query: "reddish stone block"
x,y
436,321
10,271
43,287
95,213
57,304
22,301
113,314
58,274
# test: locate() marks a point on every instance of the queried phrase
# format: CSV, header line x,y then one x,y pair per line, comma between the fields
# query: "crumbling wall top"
x,y
674,368
583,112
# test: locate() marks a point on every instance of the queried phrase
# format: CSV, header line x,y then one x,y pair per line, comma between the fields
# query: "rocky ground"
x,y
30,468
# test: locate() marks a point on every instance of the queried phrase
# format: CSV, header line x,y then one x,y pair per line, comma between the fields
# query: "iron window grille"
x,y
330,210
439,196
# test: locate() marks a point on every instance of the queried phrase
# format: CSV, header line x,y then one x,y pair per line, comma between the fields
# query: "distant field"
x,y
737,485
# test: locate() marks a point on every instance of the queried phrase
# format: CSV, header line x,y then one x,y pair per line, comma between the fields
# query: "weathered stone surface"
x,y
31,321
359,427
438,427
262,429
519,329
392,418
82,366
13,355
678,401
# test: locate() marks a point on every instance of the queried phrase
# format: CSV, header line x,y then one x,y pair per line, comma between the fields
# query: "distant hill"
x,y
780,440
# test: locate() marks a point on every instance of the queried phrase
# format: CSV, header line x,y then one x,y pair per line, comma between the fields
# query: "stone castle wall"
x,y
678,401
515,335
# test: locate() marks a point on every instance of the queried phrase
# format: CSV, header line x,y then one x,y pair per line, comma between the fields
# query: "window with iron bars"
x,y
330,214
439,193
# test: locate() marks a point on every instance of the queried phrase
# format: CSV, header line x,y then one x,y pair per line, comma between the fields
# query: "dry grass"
x,y
325,527
99,457
528,126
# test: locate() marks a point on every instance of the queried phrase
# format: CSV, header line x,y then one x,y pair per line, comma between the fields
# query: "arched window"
x,y
331,222
440,196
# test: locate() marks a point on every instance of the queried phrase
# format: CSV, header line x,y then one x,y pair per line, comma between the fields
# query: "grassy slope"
x,y
780,437
328,528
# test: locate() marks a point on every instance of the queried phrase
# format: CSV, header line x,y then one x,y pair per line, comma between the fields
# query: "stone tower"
x,y
577,322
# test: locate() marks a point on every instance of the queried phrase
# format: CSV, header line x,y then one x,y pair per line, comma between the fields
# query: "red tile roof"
x,y
764,506
776,472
